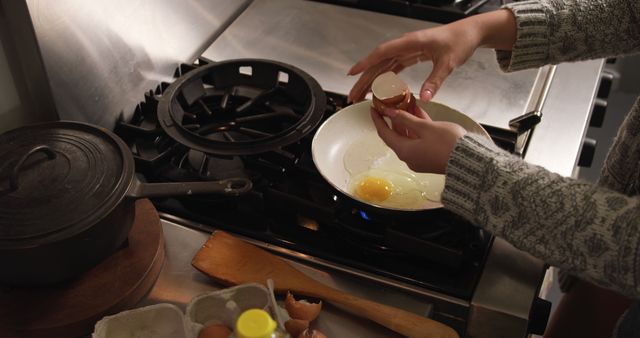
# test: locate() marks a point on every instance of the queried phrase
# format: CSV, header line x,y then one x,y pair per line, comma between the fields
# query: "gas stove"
x,y
256,119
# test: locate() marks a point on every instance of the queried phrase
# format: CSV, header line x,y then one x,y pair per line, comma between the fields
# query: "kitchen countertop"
x,y
179,282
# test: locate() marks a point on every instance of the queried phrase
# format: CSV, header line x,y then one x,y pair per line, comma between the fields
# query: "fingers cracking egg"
x,y
389,91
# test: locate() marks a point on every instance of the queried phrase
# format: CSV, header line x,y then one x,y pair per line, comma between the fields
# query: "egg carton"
x,y
168,321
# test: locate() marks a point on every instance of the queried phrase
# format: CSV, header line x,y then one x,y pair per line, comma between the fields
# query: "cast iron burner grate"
x,y
291,205
241,107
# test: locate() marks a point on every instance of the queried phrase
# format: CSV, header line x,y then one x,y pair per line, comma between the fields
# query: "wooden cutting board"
x,y
116,284
232,261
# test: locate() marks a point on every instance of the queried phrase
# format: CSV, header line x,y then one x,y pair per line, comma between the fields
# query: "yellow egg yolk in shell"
x,y
374,189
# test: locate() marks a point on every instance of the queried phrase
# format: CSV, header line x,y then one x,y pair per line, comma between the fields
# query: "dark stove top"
x,y
292,206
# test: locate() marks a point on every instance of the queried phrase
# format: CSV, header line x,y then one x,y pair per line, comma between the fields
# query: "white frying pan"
x,y
346,145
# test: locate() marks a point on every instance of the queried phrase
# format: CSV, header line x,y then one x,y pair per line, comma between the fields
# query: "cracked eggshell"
x,y
389,91
302,309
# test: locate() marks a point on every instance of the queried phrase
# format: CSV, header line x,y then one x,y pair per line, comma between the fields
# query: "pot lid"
x,y
59,178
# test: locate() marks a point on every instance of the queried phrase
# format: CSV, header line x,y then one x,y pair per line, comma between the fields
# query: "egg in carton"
x,y
165,320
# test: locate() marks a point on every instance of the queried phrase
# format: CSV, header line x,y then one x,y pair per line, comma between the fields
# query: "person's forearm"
x,y
496,29
589,230
555,31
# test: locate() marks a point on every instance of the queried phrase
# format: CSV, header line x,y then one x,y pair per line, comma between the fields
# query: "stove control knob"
x,y
587,153
598,112
606,81
539,316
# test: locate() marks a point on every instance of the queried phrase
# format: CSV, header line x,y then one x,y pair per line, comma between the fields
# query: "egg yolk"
x,y
373,189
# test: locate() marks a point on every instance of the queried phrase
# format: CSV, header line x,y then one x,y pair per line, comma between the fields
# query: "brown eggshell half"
x,y
300,309
404,103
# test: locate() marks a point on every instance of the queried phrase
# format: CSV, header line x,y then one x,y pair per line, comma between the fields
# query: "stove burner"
x,y
241,107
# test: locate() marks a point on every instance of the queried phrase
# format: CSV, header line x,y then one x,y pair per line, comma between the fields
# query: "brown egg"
x,y
296,326
311,333
389,91
215,331
301,309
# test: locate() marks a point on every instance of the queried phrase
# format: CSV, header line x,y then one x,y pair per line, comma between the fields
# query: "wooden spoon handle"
x,y
403,322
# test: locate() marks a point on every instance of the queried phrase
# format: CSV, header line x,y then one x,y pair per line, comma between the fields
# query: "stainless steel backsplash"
x,y
100,57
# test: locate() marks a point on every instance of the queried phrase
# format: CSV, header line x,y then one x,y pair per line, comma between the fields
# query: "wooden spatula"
x,y
232,261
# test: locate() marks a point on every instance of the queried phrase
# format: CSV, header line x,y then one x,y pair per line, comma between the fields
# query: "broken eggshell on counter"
x,y
165,320
301,313
302,309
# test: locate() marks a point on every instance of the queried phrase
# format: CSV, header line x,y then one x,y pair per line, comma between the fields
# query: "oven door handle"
x,y
529,120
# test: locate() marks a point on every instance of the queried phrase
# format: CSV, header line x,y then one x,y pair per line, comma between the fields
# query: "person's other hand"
x,y
427,144
447,47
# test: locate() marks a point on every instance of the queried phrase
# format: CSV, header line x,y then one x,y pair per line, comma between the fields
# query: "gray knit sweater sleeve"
x,y
590,230
554,31
587,229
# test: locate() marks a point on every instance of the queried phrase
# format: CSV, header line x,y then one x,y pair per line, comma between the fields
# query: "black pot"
x,y
67,193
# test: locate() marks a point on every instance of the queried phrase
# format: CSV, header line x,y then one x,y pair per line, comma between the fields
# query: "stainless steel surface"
x,y
325,40
102,56
36,103
509,283
557,140
179,282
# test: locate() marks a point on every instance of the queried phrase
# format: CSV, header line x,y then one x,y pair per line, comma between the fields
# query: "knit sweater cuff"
x,y
531,49
465,175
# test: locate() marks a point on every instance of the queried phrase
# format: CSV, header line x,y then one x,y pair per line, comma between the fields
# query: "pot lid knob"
x,y
13,180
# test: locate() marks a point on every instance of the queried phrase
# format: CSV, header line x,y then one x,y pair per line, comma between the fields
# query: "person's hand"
x,y
427,144
447,46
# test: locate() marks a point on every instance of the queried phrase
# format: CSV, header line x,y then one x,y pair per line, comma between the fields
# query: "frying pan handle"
x,y
229,187
13,179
